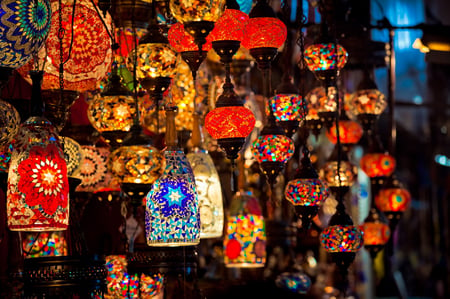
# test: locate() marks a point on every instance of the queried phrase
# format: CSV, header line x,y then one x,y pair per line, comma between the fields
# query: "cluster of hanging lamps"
x,y
172,215
38,187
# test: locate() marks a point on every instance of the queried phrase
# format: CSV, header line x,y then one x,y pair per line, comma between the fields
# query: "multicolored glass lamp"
x,y
198,17
44,244
9,122
73,154
306,192
367,103
37,188
341,239
245,237
393,199
295,282
376,231
172,215
25,25
288,106
208,186
112,112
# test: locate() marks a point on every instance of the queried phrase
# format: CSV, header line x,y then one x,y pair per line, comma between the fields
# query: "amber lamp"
x,y
376,231
393,199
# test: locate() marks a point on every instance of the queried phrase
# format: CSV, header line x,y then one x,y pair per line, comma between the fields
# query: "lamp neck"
x,y
171,131
38,107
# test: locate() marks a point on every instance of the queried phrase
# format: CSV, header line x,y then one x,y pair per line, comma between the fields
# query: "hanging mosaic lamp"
x,y
366,104
295,282
73,154
350,132
230,122
9,122
317,100
306,192
341,239
156,62
393,199
198,17
24,27
245,237
376,231
112,112
208,186
172,215
37,188
89,47
339,181
288,106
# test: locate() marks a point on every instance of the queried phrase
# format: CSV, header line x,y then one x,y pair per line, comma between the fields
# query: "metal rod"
x,y
391,94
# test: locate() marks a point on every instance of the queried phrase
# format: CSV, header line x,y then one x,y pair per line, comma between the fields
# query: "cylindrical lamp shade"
x,y
322,57
73,153
138,164
377,164
288,107
306,192
172,215
153,60
90,53
345,177
366,101
245,237
24,27
350,132
341,238
182,41
38,187
94,175
273,148
209,194
9,122
196,10
44,244
264,32
393,200
230,26
230,122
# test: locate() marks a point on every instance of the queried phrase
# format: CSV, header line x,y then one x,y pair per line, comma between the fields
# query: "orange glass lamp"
x,y
393,199
90,54
9,122
377,165
341,239
264,34
376,231
37,187
367,103
112,112
306,192
350,132
245,236
172,216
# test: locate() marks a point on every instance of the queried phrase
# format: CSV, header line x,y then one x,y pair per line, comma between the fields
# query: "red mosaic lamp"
x,y
350,132
393,199
376,231
306,192
38,187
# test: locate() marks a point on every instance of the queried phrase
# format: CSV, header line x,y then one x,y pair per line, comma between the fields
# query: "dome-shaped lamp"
x,y
24,26
339,181
156,62
350,132
198,17
90,48
321,59
376,231
172,215
341,239
306,191
393,199
264,34
367,103
245,236
112,113
208,186
288,106
230,122
9,122
320,107
37,188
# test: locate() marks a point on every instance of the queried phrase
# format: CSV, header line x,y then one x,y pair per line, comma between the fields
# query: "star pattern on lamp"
x,y
174,198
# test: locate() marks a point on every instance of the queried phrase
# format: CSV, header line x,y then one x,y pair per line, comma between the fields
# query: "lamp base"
x,y
231,146
373,250
327,118
156,86
264,56
194,59
315,125
136,192
367,121
115,138
306,214
289,127
199,30
226,49
271,170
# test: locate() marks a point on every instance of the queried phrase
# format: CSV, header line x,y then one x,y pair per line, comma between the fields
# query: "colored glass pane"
x,y
377,164
264,32
182,41
350,132
318,101
196,10
322,57
287,107
341,238
230,26
44,244
306,192
153,60
9,122
393,200
367,101
273,148
298,283
229,122
345,177
73,154
375,233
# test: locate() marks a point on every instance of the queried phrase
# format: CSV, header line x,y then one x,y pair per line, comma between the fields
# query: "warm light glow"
x,y
38,188
350,132
5,157
182,41
230,26
44,244
375,233
287,107
264,33
153,60
345,178
9,122
245,237
172,215
322,57
273,148
24,27
318,101
196,10
209,194
73,154
306,192
366,101
393,200
377,164
229,122
420,46
341,238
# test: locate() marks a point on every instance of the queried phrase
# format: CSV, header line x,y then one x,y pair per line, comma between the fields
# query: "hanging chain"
x,y
301,43
61,33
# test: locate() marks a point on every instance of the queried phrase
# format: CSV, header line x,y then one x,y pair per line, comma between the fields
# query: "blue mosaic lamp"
x,y
24,26
172,214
